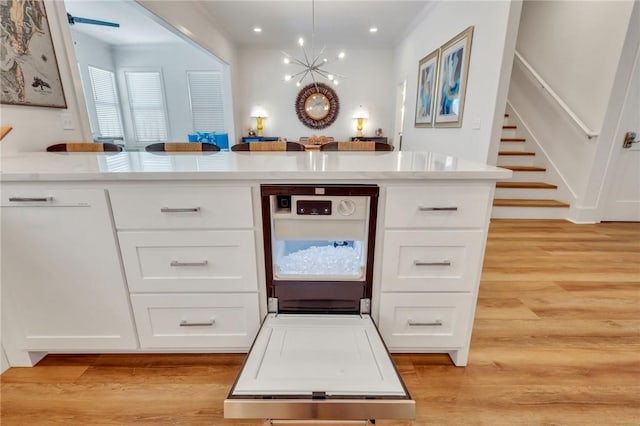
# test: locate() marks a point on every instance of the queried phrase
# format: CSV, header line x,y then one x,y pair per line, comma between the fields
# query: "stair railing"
x,y
590,133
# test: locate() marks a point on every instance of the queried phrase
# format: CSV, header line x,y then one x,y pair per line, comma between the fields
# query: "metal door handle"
x,y
180,210
629,139
176,263
436,323
184,323
437,209
443,263
31,199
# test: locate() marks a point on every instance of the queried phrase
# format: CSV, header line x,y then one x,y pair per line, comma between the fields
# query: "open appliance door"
x,y
319,367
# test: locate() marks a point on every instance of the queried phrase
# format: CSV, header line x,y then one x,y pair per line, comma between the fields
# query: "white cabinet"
x,y
189,261
62,282
433,245
221,322
189,254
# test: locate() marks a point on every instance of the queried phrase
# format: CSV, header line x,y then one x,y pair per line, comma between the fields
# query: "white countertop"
x,y
309,165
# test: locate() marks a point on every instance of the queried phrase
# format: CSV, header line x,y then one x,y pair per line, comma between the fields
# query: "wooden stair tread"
x,y
528,203
524,168
516,153
509,126
513,140
529,185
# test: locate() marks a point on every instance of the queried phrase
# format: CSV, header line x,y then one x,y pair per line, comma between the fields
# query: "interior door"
x,y
622,198
319,367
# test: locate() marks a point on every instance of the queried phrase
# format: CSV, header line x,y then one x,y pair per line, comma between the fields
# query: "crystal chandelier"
x,y
312,66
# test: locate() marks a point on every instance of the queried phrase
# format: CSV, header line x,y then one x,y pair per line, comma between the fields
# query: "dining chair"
x,y
181,147
356,146
268,146
84,147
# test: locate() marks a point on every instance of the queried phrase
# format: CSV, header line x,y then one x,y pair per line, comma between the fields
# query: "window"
x,y
146,99
105,99
207,105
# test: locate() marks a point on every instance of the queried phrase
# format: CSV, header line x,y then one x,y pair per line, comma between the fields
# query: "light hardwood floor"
x,y
556,342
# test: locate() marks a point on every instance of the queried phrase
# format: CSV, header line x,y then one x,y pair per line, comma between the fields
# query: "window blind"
x,y
146,99
207,106
105,99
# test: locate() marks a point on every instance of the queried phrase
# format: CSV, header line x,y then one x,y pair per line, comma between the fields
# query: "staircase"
x,y
527,195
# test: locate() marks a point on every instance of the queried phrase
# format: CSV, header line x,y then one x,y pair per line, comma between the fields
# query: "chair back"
x,y
181,147
84,147
356,146
268,146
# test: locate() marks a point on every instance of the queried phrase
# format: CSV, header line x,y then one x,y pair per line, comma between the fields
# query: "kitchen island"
x,y
142,252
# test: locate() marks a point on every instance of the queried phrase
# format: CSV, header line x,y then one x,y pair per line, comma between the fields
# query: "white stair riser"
x,y
528,177
516,160
512,146
526,193
529,212
509,133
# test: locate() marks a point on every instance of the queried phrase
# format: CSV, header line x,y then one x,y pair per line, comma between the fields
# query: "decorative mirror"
x,y
317,106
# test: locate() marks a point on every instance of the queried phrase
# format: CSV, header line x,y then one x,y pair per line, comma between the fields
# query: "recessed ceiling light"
x,y
257,30
373,30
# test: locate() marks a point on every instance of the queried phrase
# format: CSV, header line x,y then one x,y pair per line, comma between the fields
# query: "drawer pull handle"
x,y
436,323
31,199
184,323
180,210
443,263
176,263
438,209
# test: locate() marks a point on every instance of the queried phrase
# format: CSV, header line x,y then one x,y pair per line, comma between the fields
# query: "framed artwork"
x,y
452,84
30,74
425,96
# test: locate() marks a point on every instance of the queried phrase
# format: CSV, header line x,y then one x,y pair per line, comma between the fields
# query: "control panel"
x,y
313,207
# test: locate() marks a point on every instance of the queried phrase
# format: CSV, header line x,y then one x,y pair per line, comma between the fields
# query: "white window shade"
x,y
105,98
146,99
207,105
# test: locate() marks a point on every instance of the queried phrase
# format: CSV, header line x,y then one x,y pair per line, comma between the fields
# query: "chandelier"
x,y
311,66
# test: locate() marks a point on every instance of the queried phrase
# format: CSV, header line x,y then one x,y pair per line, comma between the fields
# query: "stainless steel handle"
x,y
31,199
437,209
184,323
436,323
176,263
180,210
443,263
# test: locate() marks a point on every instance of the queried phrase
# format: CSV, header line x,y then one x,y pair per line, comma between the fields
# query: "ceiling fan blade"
x,y
76,20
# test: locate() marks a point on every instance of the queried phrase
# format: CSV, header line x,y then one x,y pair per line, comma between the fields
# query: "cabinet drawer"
x,y
221,321
438,206
44,197
186,208
446,261
189,261
429,320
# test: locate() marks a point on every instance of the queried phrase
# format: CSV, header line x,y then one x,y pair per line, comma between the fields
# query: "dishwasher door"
x,y
318,367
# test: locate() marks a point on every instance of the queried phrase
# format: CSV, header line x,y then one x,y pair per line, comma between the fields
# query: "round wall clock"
x,y
317,106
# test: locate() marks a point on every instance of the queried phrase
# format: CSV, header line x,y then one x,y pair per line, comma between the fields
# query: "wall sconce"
x,y
259,113
360,114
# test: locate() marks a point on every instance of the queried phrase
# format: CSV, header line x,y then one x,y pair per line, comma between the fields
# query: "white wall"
x,y
368,83
575,46
491,20
96,53
173,60
35,128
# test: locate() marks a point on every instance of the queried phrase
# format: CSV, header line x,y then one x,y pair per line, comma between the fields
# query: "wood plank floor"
x,y
556,342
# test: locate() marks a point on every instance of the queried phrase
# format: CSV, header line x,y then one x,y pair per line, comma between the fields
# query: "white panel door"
x,y
62,283
622,198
